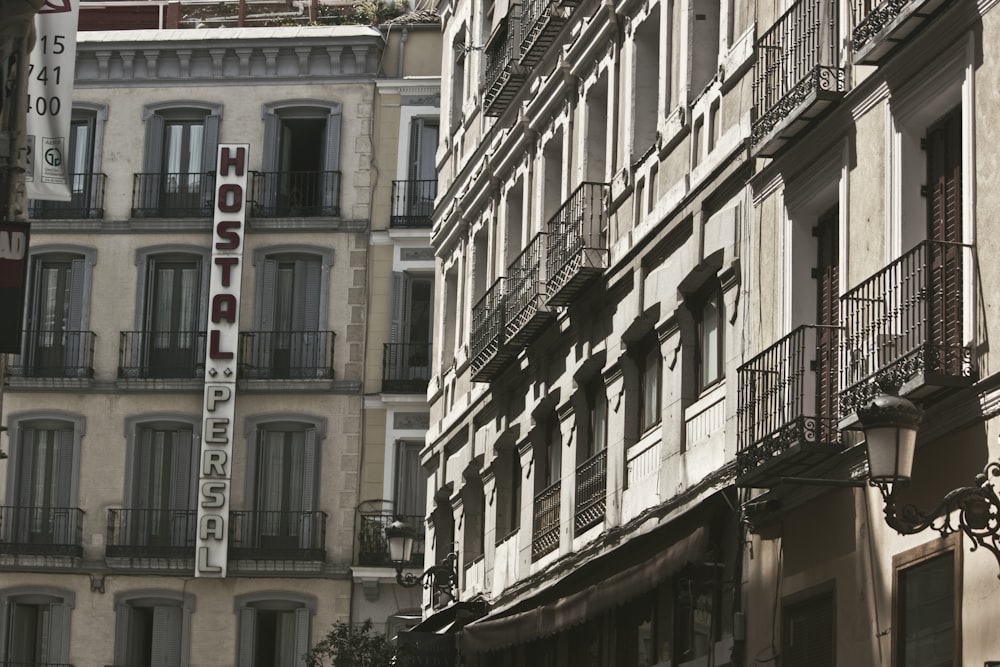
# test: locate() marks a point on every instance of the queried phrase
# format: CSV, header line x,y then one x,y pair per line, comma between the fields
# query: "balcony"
x,y
541,21
372,547
787,416
906,327
406,368
161,195
503,76
86,201
151,534
526,311
161,355
796,76
487,347
54,354
577,250
545,536
267,535
41,531
286,355
295,194
591,491
882,25
412,204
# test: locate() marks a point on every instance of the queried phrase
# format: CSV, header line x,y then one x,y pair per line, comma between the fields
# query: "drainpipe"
x,y
402,50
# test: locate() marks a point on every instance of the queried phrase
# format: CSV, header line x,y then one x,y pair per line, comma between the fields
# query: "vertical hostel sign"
x,y
51,68
215,473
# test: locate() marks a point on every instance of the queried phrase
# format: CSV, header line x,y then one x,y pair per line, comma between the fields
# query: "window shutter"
x,y
152,154
332,158
299,296
809,633
140,480
76,296
166,636
269,275
210,142
309,471
313,285
6,609
54,646
397,306
301,636
181,487
26,460
248,629
122,626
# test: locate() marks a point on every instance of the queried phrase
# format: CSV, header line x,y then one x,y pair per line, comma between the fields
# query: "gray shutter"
x,y
181,495
75,350
313,286
166,636
65,521
272,125
143,446
269,272
248,630
25,462
307,520
397,306
122,626
54,649
152,153
210,143
333,184
302,615
6,608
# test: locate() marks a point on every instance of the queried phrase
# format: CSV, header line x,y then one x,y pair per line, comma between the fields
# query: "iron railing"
x,y
577,241
41,531
881,24
161,354
906,323
276,535
541,21
54,354
280,194
545,536
412,204
283,355
19,663
173,195
502,72
86,201
796,58
406,368
526,289
591,491
148,533
787,397
373,550
488,322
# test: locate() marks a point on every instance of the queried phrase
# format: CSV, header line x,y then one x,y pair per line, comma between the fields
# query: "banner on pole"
x,y
51,67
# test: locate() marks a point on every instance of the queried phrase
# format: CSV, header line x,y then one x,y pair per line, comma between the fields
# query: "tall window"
x,y
148,633
164,473
172,315
707,307
553,451
411,485
650,366
55,344
597,417
42,493
284,483
288,343
274,633
808,633
508,506
35,628
645,83
926,611
411,324
179,153
458,79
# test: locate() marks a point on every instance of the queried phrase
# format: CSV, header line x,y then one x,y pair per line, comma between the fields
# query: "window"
x,y
552,448
151,630
474,524
35,627
707,307
409,350
411,485
927,605
808,634
86,184
705,44
650,366
458,79
274,632
55,344
645,84
288,342
172,320
508,506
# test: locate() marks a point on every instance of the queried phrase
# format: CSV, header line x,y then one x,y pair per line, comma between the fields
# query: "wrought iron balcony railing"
x,y
19,663
526,311
285,194
177,195
796,73
591,491
578,249
286,355
412,204
54,354
406,368
882,25
787,415
41,531
373,550
541,21
503,75
273,535
906,326
145,533
161,354
545,536
86,201
487,342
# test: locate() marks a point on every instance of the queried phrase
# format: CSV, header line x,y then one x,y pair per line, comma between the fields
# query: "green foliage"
x,y
344,646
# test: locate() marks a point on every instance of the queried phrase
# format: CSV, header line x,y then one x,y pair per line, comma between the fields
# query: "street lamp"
x,y
441,578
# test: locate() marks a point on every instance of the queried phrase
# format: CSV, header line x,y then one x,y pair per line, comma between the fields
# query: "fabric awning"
x,y
575,608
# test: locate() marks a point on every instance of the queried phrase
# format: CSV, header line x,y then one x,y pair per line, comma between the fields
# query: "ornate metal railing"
x,y
267,535
41,531
591,491
796,58
406,368
906,323
284,355
787,397
372,547
880,25
541,21
545,536
161,354
54,354
503,73
488,330
412,204
145,533
281,194
526,291
173,195
577,244
86,201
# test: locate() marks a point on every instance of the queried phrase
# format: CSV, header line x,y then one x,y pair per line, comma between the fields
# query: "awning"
x,y
575,608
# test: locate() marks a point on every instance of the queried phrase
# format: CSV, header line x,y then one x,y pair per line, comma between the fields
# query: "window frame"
x,y
698,303
802,598
154,598
65,599
19,422
245,607
647,350
252,432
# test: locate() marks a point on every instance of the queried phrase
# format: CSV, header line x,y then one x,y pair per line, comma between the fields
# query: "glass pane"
x,y
709,344
928,601
651,388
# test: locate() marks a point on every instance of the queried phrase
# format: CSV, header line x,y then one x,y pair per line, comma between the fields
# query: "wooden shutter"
x,y
827,275
397,306
152,155
269,274
248,631
309,471
25,463
167,636
181,486
123,623
331,194
209,146
64,470
302,617
55,644
808,633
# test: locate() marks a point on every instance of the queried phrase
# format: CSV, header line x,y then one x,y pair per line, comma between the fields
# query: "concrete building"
x,y
118,435
679,247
